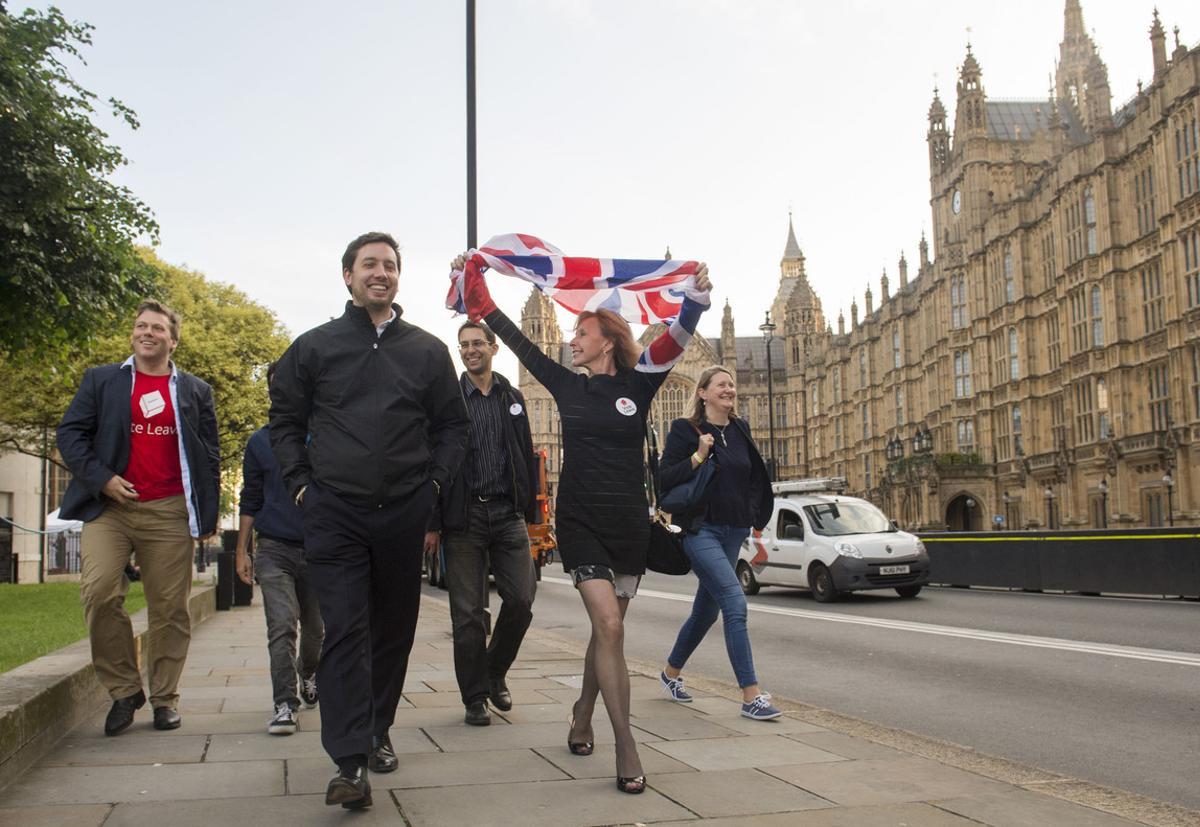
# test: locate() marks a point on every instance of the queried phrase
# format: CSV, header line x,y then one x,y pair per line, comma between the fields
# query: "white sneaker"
x,y
284,720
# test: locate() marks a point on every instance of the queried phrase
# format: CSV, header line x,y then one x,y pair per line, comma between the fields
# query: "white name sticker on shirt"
x,y
626,406
515,409
152,403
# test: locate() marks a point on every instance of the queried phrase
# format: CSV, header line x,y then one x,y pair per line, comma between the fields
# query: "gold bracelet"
x,y
699,459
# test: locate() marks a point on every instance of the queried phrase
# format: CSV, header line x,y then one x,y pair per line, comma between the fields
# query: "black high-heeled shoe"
x,y
634,786
577,747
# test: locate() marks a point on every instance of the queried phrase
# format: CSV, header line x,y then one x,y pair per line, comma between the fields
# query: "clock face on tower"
x,y
956,202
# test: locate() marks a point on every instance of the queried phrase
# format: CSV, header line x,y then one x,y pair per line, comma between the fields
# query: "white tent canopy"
x,y
55,524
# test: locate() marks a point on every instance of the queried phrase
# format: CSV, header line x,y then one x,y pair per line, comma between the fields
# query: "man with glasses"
x,y
483,514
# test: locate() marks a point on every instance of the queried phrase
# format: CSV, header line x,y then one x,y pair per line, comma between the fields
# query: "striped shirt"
x,y
487,462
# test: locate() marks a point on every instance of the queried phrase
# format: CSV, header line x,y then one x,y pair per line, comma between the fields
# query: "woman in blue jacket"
x,y
739,498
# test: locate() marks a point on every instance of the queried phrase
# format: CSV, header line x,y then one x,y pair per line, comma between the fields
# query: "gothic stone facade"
x,y
1050,347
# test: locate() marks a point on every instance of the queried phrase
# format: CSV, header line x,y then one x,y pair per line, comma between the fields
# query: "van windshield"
x,y
837,519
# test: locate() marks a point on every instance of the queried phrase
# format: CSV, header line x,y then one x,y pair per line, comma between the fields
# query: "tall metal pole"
x,y
768,328
472,236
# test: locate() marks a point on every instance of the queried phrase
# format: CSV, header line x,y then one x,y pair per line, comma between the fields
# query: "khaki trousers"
x,y
158,532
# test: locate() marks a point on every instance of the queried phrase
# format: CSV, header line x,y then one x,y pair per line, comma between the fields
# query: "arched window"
x,y
1097,317
1010,288
1089,220
1013,360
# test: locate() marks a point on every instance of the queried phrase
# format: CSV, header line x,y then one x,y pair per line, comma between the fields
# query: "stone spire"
x,y
883,287
923,251
728,340
667,255
539,323
1158,46
970,118
792,263
937,137
1081,79
1181,51
854,312
903,267
870,304
841,324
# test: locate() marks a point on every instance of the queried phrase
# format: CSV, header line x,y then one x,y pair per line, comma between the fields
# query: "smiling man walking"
x,y
483,514
368,424
140,439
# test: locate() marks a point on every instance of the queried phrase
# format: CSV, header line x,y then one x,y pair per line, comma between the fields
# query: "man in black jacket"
x,y
140,439
368,423
483,514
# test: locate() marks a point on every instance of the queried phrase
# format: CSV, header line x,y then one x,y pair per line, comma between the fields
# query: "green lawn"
x,y
37,619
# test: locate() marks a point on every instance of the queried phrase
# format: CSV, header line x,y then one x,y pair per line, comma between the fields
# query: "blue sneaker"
x,y
760,709
674,688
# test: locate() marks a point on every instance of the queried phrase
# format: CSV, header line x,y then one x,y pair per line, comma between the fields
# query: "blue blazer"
x,y
93,439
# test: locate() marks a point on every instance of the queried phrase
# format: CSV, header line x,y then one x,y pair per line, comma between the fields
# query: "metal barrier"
x,y
1157,561
62,552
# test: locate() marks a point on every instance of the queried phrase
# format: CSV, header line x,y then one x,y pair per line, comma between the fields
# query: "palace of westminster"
x,y
1042,368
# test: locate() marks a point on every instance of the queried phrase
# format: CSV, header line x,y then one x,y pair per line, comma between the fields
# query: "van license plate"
x,y
893,569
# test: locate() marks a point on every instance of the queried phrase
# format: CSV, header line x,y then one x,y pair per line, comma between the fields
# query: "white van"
x,y
831,544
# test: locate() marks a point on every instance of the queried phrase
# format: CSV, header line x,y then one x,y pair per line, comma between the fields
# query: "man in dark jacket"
x,y
140,439
368,424
483,514
289,596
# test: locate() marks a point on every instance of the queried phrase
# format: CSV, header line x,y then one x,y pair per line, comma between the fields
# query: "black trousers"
x,y
495,536
366,566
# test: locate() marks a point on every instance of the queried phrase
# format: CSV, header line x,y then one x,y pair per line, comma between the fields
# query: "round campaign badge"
x,y
626,406
515,409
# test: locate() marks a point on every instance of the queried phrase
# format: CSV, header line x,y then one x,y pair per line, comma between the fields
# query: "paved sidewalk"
x,y
703,760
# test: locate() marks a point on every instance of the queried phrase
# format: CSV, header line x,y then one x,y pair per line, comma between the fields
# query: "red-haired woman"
x,y
601,512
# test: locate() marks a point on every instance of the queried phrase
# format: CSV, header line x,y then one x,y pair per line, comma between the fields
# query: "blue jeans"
x,y
713,551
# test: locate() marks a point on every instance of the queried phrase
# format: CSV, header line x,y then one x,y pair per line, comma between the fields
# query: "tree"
x,y
227,340
68,264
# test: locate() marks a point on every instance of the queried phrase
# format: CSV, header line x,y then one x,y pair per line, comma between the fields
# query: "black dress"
x,y
602,514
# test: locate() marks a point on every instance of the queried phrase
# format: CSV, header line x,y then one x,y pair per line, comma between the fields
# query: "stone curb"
x,y
42,700
1116,802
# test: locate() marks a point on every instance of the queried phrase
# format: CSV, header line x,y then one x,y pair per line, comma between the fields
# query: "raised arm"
x,y
479,305
667,349
544,369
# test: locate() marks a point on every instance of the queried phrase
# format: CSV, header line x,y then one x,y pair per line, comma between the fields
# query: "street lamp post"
x,y
1170,484
1051,523
471,204
768,328
1104,502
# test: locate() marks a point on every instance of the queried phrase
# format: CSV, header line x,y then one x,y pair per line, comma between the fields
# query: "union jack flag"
x,y
642,291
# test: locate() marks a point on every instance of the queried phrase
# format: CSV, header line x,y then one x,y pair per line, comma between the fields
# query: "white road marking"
x,y
1083,647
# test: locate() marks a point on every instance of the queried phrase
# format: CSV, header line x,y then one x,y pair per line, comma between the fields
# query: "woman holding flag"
x,y
601,518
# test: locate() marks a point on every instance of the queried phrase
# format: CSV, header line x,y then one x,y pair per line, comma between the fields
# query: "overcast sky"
x,y
274,132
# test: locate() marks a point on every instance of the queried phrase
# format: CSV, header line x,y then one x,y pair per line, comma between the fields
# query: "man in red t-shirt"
x,y
141,441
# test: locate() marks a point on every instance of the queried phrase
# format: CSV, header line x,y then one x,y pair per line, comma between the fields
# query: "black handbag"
x,y
665,553
691,495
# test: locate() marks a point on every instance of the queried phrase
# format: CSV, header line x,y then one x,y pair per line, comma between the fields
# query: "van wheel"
x,y
746,577
821,583
908,591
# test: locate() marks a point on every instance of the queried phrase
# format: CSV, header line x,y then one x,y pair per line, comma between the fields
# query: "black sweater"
x,y
371,418
676,467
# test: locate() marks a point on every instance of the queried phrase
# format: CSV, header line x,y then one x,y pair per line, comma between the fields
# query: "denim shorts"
x,y
625,585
